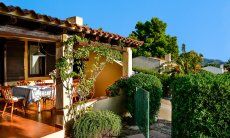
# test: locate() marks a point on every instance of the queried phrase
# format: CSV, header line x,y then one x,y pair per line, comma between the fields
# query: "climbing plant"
x,y
76,50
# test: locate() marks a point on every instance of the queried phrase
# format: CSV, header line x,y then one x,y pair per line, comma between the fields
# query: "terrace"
x,y
30,45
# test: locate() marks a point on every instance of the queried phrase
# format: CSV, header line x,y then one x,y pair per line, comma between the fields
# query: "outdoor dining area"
x,y
26,93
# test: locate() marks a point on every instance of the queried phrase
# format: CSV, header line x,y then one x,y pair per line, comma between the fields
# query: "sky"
x,y
203,25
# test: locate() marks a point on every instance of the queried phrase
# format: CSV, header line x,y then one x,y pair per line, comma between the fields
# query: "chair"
x,y
10,99
1,99
23,83
52,98
0,89
75,88
40,82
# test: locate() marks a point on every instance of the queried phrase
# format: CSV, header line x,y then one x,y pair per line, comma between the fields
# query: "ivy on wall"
x,y
76,50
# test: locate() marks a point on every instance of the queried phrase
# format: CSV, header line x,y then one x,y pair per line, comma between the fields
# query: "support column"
x,y
127,62
26,59
62,99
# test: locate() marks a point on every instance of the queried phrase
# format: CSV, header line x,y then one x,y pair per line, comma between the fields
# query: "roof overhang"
x,y
50,24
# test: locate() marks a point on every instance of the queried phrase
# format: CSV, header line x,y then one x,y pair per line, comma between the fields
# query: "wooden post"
x,y
62,99
127,62
26,69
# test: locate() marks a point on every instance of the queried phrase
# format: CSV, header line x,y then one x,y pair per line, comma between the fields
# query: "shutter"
x,y
15,60
2,41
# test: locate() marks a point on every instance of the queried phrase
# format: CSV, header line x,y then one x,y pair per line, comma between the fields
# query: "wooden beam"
x,y
24,33
13,20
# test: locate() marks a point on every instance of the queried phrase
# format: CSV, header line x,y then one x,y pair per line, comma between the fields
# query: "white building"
x,y
150,62
214,70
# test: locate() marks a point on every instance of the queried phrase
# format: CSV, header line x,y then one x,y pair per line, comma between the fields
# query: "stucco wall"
x,y
115,104
111,73
145,63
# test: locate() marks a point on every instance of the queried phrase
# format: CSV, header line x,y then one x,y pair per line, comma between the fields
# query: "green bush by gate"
x,y
201,106
142,110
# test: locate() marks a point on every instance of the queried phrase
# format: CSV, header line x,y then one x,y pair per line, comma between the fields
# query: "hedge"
x,y
201,105
145,81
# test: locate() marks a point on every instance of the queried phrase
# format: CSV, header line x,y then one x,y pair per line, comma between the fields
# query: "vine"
x,y
76,50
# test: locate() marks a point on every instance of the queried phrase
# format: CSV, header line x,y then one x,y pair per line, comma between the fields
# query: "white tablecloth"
x,y
32,93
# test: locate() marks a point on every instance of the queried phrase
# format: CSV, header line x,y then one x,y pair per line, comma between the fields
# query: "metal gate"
x,y
142,110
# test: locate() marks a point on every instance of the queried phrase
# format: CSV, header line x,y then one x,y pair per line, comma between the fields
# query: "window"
x,y
37,60
42,58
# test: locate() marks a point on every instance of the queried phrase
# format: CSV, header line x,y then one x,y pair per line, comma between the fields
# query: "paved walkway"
x,y
153,134
165,113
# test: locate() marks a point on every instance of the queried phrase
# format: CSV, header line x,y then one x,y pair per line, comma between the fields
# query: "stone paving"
x,y
153,134
161,129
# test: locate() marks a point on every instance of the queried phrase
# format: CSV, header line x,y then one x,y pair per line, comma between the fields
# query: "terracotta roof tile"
x,y
24,13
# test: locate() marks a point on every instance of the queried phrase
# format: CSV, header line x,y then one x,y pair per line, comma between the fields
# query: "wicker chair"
x,y
0,87
1,99
52,98
39,82
10,99
75,88
23,83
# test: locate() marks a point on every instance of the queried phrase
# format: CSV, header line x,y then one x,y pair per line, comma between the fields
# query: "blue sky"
x,y
203,25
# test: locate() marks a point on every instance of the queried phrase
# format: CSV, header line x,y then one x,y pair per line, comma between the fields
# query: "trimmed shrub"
x,y
201,105
147,82
96,124
165,79
145,71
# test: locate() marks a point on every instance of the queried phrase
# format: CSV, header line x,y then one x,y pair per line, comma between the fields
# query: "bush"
x,y
147,82
97,124
201,105
165,79
145,71
69,132
115,89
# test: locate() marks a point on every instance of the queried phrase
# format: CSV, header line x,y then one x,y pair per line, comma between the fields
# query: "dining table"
x,y
33,94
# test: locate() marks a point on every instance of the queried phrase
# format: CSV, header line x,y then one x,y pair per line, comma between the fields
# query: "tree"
x,y
183,48
189,61
156,42
227,65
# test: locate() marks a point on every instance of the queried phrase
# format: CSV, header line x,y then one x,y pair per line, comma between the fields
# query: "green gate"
x,y
142,110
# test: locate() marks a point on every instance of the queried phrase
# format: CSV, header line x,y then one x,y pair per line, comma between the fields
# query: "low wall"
x,y
115,104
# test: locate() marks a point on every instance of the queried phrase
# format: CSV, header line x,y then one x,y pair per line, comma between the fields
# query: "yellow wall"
x,y
111,73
